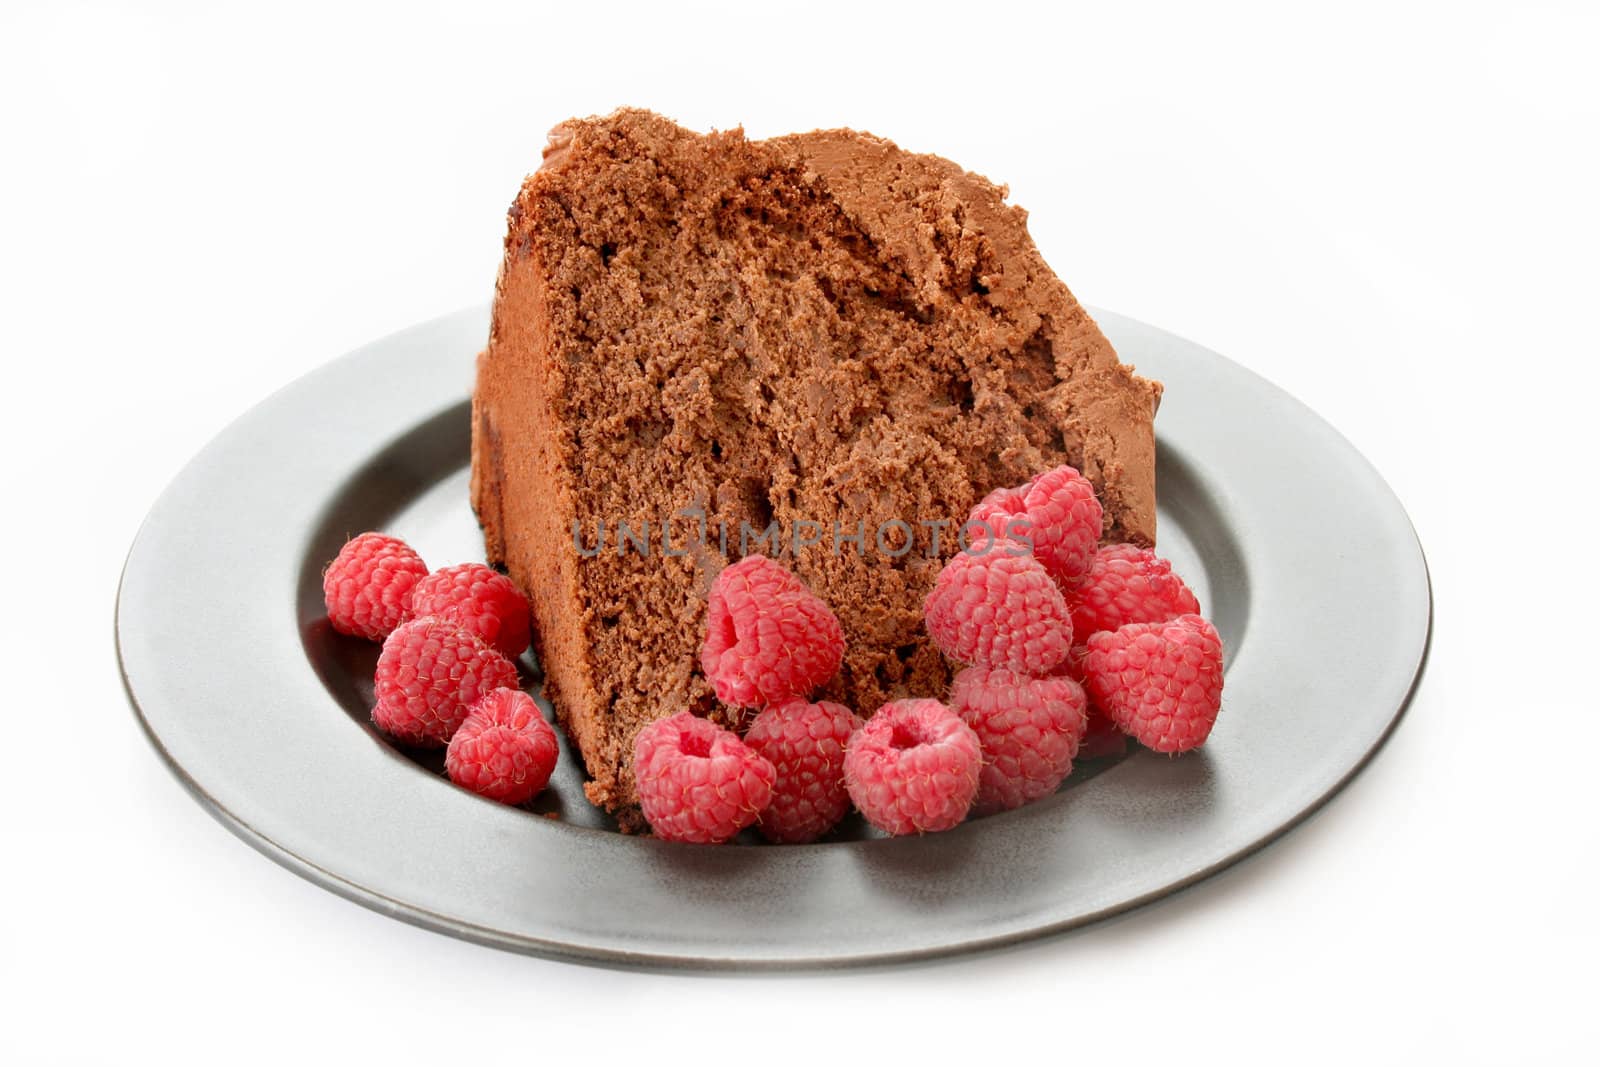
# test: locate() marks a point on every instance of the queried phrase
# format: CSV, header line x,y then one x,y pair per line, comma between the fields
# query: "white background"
x,y
1390,211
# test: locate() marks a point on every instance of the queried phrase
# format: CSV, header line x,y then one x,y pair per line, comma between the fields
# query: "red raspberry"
x,y
1126,584
913,768
1101,737
1003,514
1029,729
768,637
368,586
481,601
698,782
805,744
430,673
504,750
1057,512
990,608
1161,682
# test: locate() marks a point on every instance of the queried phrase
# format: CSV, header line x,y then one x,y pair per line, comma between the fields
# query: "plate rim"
x,y
607,955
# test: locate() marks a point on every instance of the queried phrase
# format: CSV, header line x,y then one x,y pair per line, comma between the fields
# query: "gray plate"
x,y
1296,547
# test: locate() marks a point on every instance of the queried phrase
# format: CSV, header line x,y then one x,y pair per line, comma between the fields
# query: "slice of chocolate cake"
x,y
818,347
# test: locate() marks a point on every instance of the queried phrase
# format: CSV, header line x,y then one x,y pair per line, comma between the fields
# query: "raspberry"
x,y
368,586
430,673
1126,584
1161,682
1029,729
913,768
481,601
1057,512
1003,513
697,781
768,637
805,744
994,609
504,750
1101,737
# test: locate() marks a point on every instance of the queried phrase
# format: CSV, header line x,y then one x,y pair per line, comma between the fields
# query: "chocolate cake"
x,y
821,338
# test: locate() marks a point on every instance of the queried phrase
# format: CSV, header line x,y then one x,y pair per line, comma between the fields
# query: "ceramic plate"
x,y
1296,547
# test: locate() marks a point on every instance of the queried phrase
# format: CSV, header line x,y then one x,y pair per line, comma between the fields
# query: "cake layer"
x,y
821,338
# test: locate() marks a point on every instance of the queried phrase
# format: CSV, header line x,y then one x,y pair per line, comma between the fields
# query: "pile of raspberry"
x,y
1066,648
446,675
770,644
